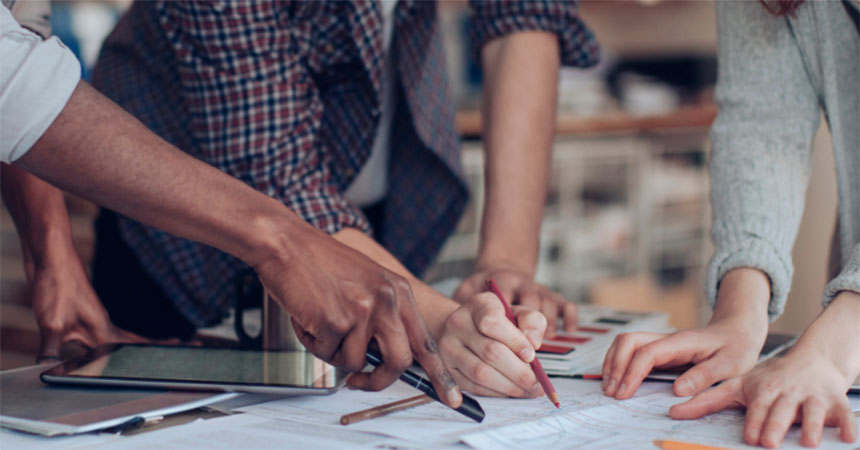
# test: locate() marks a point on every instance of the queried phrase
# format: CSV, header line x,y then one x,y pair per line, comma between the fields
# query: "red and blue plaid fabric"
x,y
285,96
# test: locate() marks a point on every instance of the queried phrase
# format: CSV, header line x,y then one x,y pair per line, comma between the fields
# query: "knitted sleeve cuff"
x,y
755,253
847,280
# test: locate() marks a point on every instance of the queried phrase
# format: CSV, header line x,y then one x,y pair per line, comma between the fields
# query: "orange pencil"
x,y
676,445
540,374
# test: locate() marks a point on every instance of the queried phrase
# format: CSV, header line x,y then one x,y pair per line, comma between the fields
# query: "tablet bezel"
x,y
61,375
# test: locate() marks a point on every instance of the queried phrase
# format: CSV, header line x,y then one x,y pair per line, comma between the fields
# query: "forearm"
x,y
434,307
519,115
835,335
39,212
98,151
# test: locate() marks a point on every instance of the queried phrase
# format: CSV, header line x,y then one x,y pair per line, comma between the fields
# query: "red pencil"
x,y
536,367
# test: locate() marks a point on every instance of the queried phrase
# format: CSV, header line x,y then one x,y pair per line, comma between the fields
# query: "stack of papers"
x,y
587,419
597,329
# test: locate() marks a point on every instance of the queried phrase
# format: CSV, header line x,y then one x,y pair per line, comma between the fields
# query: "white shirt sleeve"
x,y
36,80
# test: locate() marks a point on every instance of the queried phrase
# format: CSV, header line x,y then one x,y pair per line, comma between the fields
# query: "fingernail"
x,y
611,388
685,388
622,389
536,390
455,396
770,438
534,337
752,437
527,354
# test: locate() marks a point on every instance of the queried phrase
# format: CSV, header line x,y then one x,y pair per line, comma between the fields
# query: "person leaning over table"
x,y
780,63
58,128
341,111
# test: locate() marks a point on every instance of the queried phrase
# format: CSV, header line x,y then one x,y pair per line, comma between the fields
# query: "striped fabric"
x,y
285,96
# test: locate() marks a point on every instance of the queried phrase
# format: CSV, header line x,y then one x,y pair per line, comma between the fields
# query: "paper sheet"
x,y
243,431
431,423
16,440
630,424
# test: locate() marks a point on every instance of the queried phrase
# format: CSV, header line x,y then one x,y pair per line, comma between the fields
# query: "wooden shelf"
x,y
699,116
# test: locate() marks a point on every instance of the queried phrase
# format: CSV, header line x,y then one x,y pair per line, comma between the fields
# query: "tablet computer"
x,y
199,368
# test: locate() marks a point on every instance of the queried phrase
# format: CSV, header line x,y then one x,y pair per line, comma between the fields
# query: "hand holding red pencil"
x,y
486,353
540,374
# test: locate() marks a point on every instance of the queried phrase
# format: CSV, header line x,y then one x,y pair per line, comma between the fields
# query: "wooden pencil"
x,y
540,374
382,410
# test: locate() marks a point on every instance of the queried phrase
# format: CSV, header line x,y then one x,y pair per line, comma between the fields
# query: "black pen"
x,y
470,407
128,425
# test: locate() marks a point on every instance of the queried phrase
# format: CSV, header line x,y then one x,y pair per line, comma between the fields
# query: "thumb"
x,y
49,347
473,285
717,399
532,324
704,375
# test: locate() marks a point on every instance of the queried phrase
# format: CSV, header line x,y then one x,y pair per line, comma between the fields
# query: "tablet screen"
x,y
217,366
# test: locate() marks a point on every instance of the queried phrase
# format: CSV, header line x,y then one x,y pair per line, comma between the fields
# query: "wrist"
x,y
488,261
433,306
273,237
50,248
743,296
835,336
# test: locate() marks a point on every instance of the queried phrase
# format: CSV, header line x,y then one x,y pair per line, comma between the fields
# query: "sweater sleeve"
x,y
761,148
847,280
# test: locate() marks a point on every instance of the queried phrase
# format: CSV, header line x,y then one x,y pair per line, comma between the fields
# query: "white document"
x,y
16,440
432,423
630,424
242,431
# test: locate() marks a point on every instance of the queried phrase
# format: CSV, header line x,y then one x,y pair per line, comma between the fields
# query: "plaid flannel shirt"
x,y
285,96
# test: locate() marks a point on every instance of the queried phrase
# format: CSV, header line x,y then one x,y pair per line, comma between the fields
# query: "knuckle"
x,y
493,352
758,404
400,361
481,373
387,293
641,356
487,323
353,364
458,320
525,379
814,403
340,325
429,347
624,339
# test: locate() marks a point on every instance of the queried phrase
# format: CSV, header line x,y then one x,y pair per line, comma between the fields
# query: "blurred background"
x,y
627,216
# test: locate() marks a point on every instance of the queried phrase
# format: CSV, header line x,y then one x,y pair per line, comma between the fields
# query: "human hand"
x,y
718,351
340,299
728,346
521,289
67,308
487,353
801,387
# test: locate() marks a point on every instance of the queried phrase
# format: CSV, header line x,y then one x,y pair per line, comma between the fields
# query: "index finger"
x,y
490,320
570,314
394,346
673,348
424,346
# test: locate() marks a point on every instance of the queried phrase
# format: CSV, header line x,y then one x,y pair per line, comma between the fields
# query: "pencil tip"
x,y
553,397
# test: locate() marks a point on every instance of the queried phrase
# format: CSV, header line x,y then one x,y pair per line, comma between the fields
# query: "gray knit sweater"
x,y
775,76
